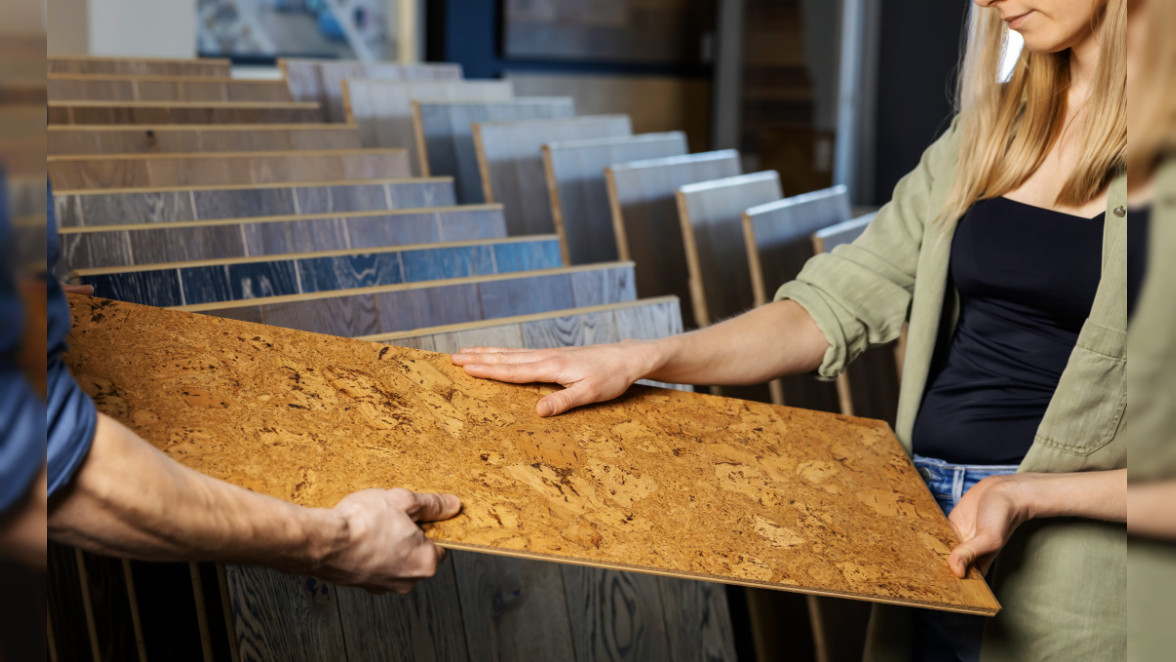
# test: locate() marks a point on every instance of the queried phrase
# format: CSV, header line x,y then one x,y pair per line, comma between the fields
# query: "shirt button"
x,y
1120,211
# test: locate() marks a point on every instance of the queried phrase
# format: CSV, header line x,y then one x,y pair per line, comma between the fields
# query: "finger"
x,y
559,402
497,358
515,373
403,587
430,507
969,551
425,561
492,350
87,290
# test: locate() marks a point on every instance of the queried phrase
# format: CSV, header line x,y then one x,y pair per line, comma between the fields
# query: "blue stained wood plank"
x,y
278,237
243,203
393,230
441,263
239,281
603,286
422,194
150,288
432,306
327,199
526,296
466,225
349,271
528,256
123,208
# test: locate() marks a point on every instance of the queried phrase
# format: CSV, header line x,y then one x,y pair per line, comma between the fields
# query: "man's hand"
x,y
985,518
384,549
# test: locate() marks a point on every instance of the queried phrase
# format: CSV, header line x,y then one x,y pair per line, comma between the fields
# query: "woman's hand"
x,y
588,374
985,518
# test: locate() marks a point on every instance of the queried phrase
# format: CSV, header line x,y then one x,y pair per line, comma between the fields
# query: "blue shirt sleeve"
x,y
22,449
71,417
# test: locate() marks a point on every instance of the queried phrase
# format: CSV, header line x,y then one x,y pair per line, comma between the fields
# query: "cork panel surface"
x,y
658,481
383,108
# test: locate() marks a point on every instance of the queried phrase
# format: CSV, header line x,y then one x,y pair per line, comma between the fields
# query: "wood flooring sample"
x,y
659,481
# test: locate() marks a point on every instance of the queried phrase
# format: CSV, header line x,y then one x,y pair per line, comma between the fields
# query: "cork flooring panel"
x,y
444,134
67,139
510,159
645,218
225,169
574,170
383,108
659,481
322,80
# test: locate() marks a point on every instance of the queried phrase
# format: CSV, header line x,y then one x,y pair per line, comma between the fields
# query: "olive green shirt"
x,y
1061,582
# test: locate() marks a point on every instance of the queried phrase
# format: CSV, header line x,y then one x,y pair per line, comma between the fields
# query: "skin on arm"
x,y
129,499
773,340
22,528
990,512
1151,510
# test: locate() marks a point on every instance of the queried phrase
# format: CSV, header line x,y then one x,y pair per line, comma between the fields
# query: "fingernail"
x,y
458,357
452,503
545,409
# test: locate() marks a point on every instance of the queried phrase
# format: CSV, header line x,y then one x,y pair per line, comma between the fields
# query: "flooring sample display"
x,y
444,134
658,481
383,108
654,103
711,213
778,241
126,66
77,87
390,308
144,243
642,196
98,207
183,112
574,170
134,139
826,239
225,168
322,80
510,160
210,281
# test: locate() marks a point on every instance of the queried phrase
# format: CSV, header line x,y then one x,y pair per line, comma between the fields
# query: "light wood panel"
x,y
574,171
79,87
444,134
655,103
225,168
230,279
716,253
661,481
778,241
510,160
322,80
391,308
90,64
160,139
183,112
141,243
645,218
99,207
383,108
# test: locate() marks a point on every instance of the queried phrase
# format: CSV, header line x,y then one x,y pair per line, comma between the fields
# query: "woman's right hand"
x,y
595,373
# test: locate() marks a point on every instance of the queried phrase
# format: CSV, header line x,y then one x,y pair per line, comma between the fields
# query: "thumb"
x,y
428,507
574,396
969,551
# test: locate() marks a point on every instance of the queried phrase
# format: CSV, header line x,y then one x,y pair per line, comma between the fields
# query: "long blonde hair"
x,y
1007,129
1152,105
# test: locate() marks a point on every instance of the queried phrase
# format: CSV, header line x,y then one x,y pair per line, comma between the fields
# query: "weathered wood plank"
x,y
322,80
170,139
645,218
775,497
225,169
574,170
306,628
383,108
80,87
125,66
444,134
510,162
182,112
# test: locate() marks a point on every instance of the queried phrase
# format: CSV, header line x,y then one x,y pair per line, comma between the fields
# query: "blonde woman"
x,y
1005,250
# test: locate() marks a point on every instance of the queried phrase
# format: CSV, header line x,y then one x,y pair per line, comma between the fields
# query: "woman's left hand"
x,y
985,518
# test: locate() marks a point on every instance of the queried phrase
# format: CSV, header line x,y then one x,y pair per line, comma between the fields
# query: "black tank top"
x,y
1027,277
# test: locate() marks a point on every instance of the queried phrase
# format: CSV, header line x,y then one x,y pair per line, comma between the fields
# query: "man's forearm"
x,y
1094,494
129,499
774,340
1151,509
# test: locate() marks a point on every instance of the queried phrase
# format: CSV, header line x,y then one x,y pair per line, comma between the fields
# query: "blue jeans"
x,y
943,636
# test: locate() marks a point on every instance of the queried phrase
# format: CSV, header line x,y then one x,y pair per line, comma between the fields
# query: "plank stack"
x,y
403,204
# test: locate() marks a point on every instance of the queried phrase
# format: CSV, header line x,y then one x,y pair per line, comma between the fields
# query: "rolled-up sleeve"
x,y
71,417
859,295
